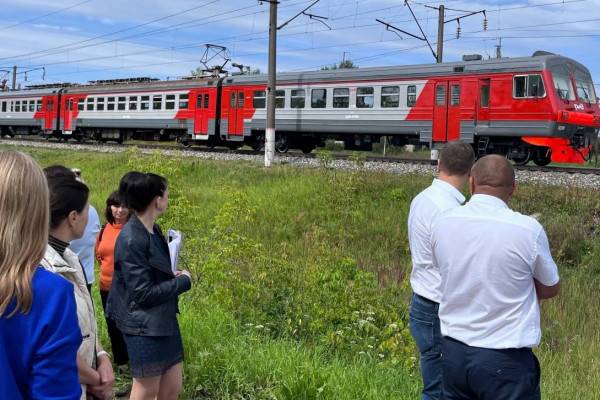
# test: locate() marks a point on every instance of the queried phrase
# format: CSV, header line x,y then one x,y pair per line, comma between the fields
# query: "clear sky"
x,y
81,40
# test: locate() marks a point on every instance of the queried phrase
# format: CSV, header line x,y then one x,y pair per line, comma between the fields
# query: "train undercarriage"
x,y
539,150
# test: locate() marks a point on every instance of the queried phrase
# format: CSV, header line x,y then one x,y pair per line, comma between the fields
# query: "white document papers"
x,y
175,241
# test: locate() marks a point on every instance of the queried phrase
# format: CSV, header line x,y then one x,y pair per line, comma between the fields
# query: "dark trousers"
x,y
119,349
425,329
474,373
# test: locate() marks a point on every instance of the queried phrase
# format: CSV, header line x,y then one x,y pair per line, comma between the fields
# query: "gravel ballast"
x,y
401,168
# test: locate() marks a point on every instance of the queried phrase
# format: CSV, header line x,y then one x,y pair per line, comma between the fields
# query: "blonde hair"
x,y
24,212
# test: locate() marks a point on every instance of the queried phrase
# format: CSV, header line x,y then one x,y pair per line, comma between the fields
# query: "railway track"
x,y
300,155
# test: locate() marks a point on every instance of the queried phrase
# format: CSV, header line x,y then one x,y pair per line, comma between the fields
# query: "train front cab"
x,y
576,114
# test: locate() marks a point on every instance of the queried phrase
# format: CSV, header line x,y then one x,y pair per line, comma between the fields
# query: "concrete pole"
x,y
271,85
14,78
440,38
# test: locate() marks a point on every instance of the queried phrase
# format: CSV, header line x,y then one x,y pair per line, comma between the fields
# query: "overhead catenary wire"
x,y
353,27
68,45
81,44
60,10
179,25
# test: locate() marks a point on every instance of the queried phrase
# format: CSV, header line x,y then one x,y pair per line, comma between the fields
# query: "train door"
x,y
453,122
236,113
49,110
70,108
483,103
440,112
200,112
446,111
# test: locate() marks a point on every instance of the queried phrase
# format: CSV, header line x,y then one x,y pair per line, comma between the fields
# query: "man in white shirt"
x,y
496,266
444,193
85,247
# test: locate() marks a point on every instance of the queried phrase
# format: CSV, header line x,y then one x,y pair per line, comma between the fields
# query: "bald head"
x,y
493,175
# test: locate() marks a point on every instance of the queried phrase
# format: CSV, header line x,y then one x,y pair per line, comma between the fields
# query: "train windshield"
x,y
585,87
562,82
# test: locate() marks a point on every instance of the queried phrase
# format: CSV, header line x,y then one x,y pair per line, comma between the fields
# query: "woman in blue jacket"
x,y
39,332
143,296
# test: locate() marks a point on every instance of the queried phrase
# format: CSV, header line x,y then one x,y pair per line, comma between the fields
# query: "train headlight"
x,y
561,128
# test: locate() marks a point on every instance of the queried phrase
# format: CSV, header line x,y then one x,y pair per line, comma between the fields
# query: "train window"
x,y
122,103
390,96
411,96
232,100
259,99
240,100
454,95
38,105
133,103
297,98
562,82
341,98
520,86
207,101
365,97
170,102
183,101
80,105
440,95
100,103
3,106
279,98
12,106
157,100
31,105
535,86
50,105
585,87
318,98
89,104
485,96
110,104
528,86
70,104
144,103
17,106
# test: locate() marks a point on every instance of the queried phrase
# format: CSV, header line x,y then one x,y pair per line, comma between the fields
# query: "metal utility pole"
x,y
440,35
15,68
272,77
499,48
270,130
14,78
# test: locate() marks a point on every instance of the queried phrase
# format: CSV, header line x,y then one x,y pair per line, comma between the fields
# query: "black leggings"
x,y
119,349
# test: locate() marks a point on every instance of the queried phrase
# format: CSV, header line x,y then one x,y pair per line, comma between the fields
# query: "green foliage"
x,y
301,277
345,64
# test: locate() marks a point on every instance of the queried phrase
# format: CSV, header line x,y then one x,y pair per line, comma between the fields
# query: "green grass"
x,y
303,292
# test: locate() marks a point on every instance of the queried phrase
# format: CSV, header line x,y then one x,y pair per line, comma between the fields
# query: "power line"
x,y
227,40
178,26
111,33
3,28
68,47
303,33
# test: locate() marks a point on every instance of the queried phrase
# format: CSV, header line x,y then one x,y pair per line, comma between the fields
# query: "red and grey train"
x,y
541,108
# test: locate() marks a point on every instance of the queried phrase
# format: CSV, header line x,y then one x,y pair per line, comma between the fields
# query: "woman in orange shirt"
x,y
116,216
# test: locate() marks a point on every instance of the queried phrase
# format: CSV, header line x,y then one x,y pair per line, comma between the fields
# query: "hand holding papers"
x,y
175,240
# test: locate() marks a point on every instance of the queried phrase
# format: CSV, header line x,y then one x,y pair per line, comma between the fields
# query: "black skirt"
x,y
151,356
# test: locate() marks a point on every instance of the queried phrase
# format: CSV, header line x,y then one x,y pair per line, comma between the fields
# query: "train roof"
x,y
521,64
143,86
29,93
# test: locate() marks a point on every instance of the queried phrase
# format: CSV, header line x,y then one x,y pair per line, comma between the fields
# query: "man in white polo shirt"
x,y
496,266
444,193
